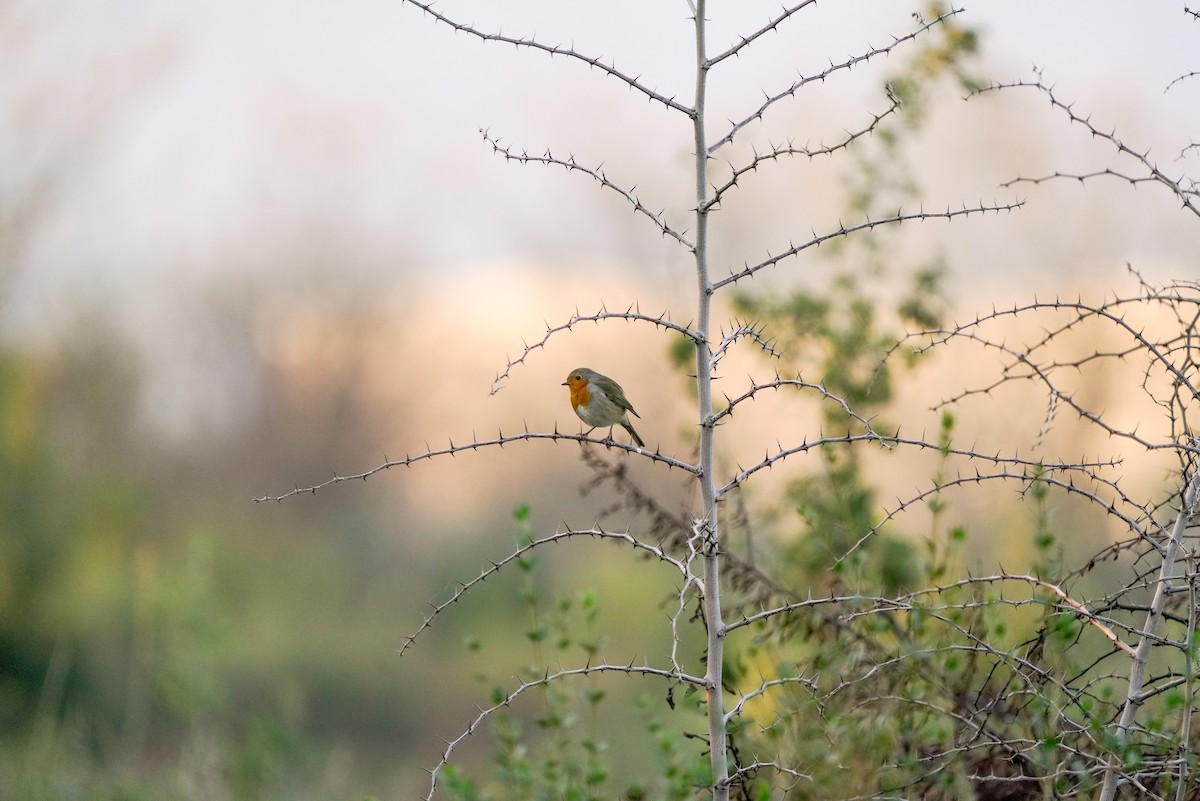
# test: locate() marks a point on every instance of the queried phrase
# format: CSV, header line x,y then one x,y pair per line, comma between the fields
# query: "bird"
x,y
599,401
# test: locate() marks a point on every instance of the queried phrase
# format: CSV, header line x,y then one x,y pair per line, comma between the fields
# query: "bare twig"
x,y
743,42
798,383
1044,475
1133,699
740,330
633,81
1189,197
550,678
631,314
789,149
571,165
500,440
846,230
889,442
559,536
819,77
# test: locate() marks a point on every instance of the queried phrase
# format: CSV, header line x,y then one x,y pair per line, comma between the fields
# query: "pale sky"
x,y
156,150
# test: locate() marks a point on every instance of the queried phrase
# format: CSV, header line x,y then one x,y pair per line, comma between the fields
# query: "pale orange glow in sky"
x,y
165,157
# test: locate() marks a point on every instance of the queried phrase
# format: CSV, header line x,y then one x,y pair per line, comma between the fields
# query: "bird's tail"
x,y
633,434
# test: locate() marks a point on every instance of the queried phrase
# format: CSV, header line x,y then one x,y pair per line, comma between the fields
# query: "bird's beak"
x,y
566,383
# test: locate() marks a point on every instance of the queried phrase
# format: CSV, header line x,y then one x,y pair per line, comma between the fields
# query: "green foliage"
x,y
124,640
892,678
838,337
132,640
880,698
557,749
845,335
943,56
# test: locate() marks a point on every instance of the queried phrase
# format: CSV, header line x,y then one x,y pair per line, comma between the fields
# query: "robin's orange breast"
x,y
580,395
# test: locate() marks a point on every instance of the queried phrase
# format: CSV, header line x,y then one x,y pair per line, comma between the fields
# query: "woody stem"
x,y
707,528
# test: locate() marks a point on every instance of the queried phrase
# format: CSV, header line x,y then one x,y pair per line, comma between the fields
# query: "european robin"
x,y
599,401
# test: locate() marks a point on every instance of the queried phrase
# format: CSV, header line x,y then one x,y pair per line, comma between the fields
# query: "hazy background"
x,y
244,245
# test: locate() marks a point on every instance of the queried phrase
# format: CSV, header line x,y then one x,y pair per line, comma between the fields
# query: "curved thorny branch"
x,y
632,81
890,442
741,330
790,150
772,26
673,528
1172,351
1156,337
847,230
631,314
1186,191
631,669
779,382
657,551
500,440
1044,475
571,165
819,77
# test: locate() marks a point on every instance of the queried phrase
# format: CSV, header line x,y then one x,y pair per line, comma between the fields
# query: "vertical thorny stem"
x,y
1137,673
707,525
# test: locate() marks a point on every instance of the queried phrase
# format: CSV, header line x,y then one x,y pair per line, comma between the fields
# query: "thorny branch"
x,y
571,165
550,678
1186,192
780,382
1173,355
789,149
633,81
804,80
741,330
785,14
847,230
500,440
673,528
889,442
1134,698
1046,477
559,536
632,313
